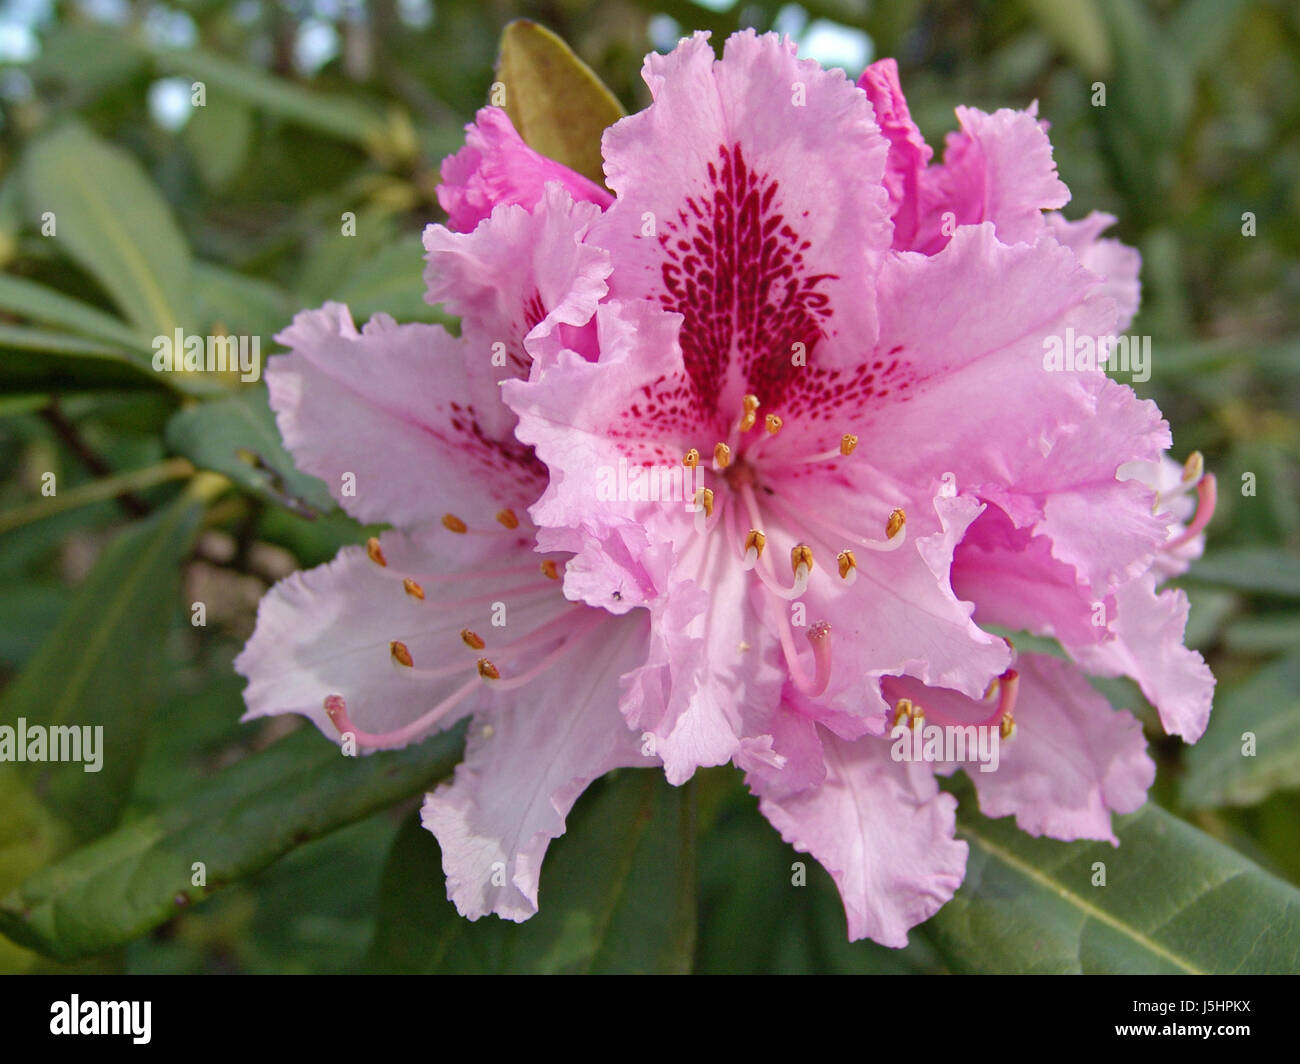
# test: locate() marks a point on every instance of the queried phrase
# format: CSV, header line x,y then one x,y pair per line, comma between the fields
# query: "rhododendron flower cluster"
x,y
782,302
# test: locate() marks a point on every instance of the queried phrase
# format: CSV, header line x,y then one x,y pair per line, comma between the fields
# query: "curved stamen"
x,y
337,711
848,444
811,521
819,637
1206,499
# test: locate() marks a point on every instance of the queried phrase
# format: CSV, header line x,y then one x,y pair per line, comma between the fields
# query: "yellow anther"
x,y
848,443
550,570
755,541
895,525
801,557
412,588
454,524
773,423
507,517
375,552
1007,726
722,455
472,639
847,563
400,653
750,417
906,711
487,670
1194,467
691,459
704,500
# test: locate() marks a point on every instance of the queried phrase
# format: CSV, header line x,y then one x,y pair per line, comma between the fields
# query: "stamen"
x,y
907,711
773,424
721,456
691,459
454,524
755,541
472,639
848,566
1206,500
337,711
1194,467
897,520
487,670
508,518
412,588
750,417
848,444
704,500
375,552
549,569
801,560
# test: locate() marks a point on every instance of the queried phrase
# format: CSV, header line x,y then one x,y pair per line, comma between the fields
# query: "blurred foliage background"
x,y
225,219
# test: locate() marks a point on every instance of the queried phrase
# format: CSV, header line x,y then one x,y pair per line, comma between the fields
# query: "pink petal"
x,y
387,405
515,280
749,201
326,631
997,168
496,167
882,830
1148,647
908,152
1117,264
530,755
1072,761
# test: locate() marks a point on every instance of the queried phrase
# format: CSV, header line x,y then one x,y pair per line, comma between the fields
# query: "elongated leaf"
x,y
617,894
301,788
100,668
49,307
337,116
1263,570
111,220
555,101
1174,900
1227,768
237,436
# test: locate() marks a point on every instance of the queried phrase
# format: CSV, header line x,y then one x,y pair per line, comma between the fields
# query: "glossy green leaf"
x,y
617,894
1252,746
555,101
1174,901
122,885
101,667
111,220
237,436
218,136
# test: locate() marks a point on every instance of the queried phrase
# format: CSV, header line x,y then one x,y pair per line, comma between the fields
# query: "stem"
x,y
97,491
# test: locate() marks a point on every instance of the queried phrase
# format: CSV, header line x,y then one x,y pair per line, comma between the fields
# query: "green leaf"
x,y
240,304
1175,901
237,436
218,136
1261,570
617,894
555,101
391,281
50,307
1077,28
301,788
101,666
337,116
1268,706
111,220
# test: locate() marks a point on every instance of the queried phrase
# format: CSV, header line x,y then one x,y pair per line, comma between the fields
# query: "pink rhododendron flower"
x,y
777,415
